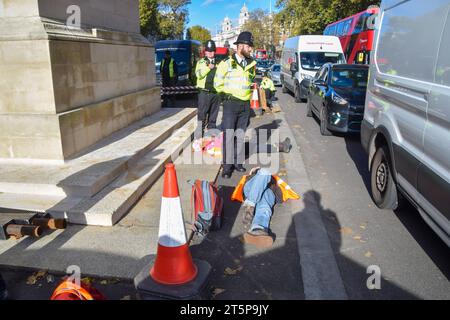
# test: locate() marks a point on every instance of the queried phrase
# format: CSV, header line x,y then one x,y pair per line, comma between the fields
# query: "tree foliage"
x,y
312,16
265,32
148,12
163,19
174,16
198,33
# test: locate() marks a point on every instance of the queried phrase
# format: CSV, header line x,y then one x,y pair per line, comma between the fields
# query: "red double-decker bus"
x,y
356,34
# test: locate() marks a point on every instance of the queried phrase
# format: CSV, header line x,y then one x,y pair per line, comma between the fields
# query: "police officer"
x,y
208,100
269,88
233,80
169,74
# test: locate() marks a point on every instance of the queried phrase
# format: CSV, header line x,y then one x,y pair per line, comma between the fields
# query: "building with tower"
x,y
229,30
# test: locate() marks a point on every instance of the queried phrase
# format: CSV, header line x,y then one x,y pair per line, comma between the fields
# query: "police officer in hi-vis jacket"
x,y
233,81
208,100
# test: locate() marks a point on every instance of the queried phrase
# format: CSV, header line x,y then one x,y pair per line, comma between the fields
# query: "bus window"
x,y
332,31
340,28
361,25
346,27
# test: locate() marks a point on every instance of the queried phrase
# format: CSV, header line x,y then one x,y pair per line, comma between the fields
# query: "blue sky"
x,y
210,13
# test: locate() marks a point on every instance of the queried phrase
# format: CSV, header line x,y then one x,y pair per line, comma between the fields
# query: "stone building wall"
x,y
61,90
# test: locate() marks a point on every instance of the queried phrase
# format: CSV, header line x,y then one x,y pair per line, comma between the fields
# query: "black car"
x,y
337,95
262,66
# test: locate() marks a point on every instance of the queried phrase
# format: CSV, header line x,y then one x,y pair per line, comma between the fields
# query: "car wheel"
x,y
384,188
323,122
309,108
297,97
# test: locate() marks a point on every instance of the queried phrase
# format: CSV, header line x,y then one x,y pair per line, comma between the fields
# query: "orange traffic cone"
x,y
254,103
173,273
173,265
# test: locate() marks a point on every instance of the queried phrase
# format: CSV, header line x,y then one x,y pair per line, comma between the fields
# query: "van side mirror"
x,y
320,83
294,67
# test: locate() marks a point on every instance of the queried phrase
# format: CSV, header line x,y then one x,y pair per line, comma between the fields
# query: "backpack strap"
x,y
206,196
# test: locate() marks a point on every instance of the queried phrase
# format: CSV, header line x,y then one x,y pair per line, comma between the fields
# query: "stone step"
x,y
108,206
99,165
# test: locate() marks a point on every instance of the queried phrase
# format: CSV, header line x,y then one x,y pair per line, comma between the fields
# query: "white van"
x,y
302,57
406,126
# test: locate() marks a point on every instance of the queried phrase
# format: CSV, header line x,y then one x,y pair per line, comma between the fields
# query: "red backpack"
x,y
207,207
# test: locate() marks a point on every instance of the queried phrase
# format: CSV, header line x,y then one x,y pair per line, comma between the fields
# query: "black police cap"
x,y
245,38
210,46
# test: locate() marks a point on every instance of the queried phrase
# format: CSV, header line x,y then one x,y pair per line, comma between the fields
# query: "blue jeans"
x,y
259,195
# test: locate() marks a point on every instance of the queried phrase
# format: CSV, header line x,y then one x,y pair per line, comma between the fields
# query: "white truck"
x,y
302,57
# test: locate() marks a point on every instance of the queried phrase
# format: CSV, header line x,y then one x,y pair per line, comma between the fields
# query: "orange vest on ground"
x,y
68,290
286,190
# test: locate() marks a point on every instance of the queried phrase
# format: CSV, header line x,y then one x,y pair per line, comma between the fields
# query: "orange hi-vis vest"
x,y
70,288
287,191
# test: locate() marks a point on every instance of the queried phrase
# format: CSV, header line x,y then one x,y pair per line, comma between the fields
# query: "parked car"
x,y
337,95
302,57
406,126
262,66
274,74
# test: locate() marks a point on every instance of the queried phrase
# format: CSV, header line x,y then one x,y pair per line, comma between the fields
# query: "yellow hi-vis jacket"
x,y
267,83
286,190
201,72
234,80
171,69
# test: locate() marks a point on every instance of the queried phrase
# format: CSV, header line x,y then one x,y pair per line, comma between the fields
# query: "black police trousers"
x,y
208,109
236,116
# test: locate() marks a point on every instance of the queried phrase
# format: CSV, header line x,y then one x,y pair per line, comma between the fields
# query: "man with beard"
x,y
233,80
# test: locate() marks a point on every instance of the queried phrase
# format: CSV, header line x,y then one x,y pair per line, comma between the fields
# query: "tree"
x,y
148,13
198,33
173,18
265,31
163,19
312,16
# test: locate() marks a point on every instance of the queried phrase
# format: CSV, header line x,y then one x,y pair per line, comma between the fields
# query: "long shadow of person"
x,y
242,272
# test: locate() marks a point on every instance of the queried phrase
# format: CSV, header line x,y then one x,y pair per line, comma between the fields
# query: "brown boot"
x,y
259,238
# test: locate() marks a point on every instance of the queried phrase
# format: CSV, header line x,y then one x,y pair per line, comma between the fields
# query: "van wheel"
x,y
297,97
323,122
308,108
384,189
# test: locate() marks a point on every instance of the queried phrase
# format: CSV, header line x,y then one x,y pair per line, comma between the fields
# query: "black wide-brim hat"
x,y
245,38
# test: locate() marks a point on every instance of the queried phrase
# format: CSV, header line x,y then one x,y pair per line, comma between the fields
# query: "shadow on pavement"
x,y
359,276
409,216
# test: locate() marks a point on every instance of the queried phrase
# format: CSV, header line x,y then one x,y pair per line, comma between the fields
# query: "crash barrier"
x,y
19,225
172,274
170,91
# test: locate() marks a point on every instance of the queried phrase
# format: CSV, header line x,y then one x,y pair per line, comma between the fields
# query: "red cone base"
x,y
173,266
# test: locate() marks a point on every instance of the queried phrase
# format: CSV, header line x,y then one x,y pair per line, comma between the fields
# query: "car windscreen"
x,y
262,64
313,61
180,55
350,78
